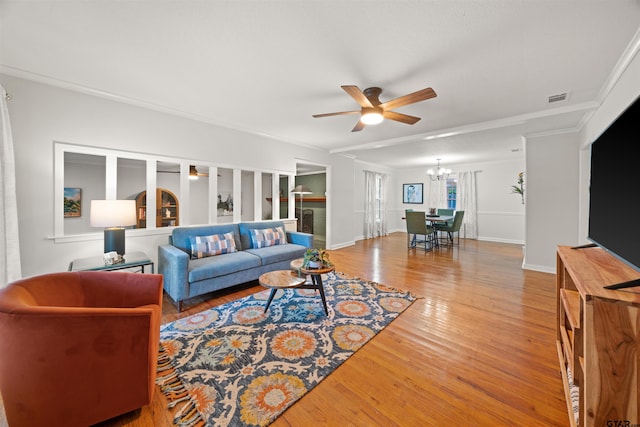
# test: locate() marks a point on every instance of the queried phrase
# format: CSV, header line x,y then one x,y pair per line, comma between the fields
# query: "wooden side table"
x,y
316,278
283,279
279,279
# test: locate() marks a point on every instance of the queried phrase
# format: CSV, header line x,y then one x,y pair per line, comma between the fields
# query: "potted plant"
x,y
519,187
316,258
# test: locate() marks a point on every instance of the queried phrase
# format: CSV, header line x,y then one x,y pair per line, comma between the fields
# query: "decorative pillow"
x,y
261,238
204,246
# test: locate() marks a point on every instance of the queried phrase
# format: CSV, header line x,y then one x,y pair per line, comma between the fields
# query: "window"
x,y
451,193
378,196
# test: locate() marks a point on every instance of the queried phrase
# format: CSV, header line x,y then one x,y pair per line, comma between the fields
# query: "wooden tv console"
x,y
598,337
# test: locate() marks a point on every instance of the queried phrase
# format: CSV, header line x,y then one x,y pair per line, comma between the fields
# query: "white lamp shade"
x,y
302,189
113,213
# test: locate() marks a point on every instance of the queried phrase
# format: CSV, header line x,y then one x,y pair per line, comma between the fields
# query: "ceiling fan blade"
x,y
335,114
358,95
399,117
358,127
412,98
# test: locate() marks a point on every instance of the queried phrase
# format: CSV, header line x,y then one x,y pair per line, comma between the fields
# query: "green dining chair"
x,y
417,226
453,228
446,212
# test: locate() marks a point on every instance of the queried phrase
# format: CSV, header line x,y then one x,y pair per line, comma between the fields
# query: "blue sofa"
x,y
186,277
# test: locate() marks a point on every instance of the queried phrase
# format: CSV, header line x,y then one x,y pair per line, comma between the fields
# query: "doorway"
x,y
313,206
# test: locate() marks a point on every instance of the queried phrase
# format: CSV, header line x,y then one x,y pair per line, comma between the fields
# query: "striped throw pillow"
x,y
204,246
261,238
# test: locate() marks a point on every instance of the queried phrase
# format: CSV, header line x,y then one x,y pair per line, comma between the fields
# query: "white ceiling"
x,y
266,67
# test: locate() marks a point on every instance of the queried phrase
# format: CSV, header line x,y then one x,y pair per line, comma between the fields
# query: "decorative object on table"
x,y
519,187
301,190
316,258
432,211
237,365
412,193
441,174
72,202
112,257
114,215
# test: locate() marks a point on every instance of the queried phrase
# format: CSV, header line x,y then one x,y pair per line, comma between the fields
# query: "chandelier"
x,y
442,173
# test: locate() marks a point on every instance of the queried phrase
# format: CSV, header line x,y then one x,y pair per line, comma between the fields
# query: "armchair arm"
x,y
173,264
304,239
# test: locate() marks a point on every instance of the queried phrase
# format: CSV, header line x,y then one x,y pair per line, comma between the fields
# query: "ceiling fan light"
x,y
193,172
371,117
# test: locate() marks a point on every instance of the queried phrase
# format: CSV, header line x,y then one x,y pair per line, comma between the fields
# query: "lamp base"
x,y
114,240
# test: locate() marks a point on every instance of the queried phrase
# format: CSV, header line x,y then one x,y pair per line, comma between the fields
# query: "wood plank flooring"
x,y
477,348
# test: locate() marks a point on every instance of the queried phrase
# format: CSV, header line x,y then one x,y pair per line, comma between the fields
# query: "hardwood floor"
x,y
477,349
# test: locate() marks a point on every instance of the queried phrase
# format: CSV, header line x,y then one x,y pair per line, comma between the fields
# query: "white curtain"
x,y
466,200
375,223
10,268
437,194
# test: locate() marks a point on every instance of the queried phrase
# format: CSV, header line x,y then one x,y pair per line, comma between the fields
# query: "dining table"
x,y
432,220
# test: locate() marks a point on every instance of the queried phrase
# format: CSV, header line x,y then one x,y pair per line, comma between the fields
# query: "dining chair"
x,y
453,228
417,225
446,212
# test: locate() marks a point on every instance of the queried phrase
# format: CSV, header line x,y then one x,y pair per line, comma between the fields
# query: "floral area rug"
x,y
236,365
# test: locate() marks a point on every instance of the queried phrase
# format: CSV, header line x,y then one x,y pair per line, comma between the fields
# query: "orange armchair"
x,y
77,348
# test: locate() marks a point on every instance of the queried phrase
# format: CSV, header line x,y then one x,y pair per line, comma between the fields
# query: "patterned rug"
x,y
236,365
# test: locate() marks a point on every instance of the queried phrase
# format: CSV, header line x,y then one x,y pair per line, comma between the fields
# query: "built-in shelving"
x,y
598,337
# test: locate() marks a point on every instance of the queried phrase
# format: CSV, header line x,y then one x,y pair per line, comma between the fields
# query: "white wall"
x,y
501,214
552,197
341,201
41,114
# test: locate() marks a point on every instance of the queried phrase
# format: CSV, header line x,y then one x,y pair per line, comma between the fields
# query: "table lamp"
x,y
114,215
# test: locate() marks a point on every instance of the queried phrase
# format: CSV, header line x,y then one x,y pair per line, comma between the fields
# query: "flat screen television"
x,y
614,192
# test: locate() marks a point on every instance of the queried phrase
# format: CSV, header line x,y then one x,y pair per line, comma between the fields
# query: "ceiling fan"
x,y
193,172
373,111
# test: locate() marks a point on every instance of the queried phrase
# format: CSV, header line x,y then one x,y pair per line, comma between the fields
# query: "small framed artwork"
x,y
72,202
412,193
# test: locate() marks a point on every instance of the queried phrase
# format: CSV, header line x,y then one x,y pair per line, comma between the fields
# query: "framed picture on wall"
x,y
412,193
72,202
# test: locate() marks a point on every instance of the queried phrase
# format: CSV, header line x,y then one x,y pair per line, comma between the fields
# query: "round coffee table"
x,y
316,278
279,279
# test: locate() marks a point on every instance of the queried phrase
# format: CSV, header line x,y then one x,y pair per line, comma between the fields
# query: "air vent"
x,y
558,97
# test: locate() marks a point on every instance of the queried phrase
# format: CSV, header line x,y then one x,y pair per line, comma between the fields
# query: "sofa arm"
x,y
304,239
173,264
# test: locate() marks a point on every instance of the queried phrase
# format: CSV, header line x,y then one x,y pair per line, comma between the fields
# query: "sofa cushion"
x,y
278,253
245,228
261,238
215,266
216,244
180,235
